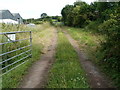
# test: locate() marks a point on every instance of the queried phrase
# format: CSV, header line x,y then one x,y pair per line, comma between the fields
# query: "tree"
x,y
43,15
67,14
75,15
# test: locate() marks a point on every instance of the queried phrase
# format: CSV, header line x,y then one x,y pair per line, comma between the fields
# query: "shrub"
x,y
111,46
93,25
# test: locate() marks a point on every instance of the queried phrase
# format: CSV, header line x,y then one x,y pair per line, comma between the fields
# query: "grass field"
x,y
66,71
40,39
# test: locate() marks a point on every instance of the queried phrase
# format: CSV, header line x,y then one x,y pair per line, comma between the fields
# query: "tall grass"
x,y
88,42
13,78
66,71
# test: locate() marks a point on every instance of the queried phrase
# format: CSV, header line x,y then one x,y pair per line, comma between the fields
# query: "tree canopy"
x,y
43,15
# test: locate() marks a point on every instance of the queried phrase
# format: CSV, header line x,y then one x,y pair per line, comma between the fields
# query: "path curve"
x,y
96,79
38,72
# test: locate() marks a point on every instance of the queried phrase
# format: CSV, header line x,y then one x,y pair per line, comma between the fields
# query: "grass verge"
x,y
66,71
90,43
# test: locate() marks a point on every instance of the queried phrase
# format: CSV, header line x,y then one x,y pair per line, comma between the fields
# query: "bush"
x,y
93,25
111,46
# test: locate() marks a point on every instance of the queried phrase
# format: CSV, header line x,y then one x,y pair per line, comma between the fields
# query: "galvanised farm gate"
x,y
15,49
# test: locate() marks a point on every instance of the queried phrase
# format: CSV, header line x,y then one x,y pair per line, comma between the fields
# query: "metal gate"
x,y
16,48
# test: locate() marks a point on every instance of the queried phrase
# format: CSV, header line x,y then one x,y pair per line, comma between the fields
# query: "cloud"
x,y
34,8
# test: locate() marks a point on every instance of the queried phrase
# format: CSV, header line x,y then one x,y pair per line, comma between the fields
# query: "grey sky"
x,y
34,8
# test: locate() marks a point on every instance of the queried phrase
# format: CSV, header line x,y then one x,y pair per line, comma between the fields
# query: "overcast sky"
x,y
34,8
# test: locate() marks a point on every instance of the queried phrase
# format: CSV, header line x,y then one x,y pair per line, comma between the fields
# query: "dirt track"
x,y
96,79
38,72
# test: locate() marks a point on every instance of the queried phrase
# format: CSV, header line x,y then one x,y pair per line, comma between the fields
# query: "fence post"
x,y
0,57
31,41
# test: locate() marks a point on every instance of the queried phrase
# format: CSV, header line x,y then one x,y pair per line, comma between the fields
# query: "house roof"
x,y
17,15
6,14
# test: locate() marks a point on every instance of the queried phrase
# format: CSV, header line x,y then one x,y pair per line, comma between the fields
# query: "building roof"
x,y
17,15
6,14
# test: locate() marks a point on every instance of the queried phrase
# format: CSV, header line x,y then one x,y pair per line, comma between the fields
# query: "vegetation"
x,y
87,41
43,15
96,27
44,18
32,20
99,18
66,71
40,39
81,14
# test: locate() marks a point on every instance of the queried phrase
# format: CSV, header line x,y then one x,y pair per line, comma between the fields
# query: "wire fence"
x,y
16,49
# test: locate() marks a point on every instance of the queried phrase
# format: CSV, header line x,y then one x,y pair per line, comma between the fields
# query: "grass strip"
x,y
66,71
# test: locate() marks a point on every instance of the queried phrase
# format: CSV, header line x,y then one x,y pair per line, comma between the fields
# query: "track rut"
x,y
96,79
38,72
